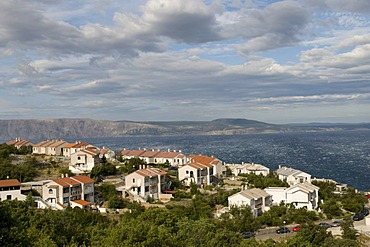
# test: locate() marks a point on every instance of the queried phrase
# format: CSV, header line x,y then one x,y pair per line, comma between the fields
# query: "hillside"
x,y
87,128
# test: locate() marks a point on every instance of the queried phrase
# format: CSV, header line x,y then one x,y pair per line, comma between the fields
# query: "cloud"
x,y
189,21
204,59
277,25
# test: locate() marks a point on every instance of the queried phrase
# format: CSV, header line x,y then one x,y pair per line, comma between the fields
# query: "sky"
x,y
171,60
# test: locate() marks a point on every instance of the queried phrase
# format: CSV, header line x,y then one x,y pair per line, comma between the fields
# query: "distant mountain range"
x,y
88,128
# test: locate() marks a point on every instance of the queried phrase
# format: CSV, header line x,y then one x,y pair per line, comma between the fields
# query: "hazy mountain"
x,y
87,128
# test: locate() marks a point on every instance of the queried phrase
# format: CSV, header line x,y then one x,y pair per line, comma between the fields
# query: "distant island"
x,y
87,128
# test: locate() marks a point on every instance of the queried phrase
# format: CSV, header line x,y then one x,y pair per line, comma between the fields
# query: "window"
x,y
50,191
187,172
9,197
78,157
133,180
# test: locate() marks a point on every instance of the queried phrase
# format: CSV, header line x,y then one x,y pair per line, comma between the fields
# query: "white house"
x,y
83,161
108,153
71,148
292,176
146,182
195,173
10,189
300,195
129,154
257,199
62,192
18,143
149,156
40,148
246,168
200,169
216,164
55,147
174,158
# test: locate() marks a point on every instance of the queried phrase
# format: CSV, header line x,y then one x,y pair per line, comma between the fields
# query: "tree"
x,y
131,165
348,231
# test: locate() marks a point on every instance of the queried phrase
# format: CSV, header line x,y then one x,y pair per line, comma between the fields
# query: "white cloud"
x,y
206,59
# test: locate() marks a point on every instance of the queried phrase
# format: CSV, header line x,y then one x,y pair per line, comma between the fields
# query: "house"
x,y
292,176
10,189
176,159
149,156
71,148
339,187
246,168
69,191
40,148
149,182
200,169
55,148
194,173
129,154
257,199
18,143
108,153
301,195
83,161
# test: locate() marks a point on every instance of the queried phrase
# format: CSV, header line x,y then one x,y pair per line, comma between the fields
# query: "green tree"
x,y
348,232
131,165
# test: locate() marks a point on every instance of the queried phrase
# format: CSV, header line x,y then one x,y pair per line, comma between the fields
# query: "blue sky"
x,y
163,60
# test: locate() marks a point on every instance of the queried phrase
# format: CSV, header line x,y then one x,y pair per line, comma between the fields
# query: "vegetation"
x,y
10,167
188,224
338,204
104,169
23,225
260,181
131,165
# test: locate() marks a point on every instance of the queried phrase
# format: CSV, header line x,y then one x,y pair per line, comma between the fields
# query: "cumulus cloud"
x,y
189,21
279,24
206,59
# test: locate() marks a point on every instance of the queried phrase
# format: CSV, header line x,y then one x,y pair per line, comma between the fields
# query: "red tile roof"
x,y
57,143
9,182
65,182
69,145
202,159
133,153
197,165
170,155
82,202
83,179
149,154
150,172
41,144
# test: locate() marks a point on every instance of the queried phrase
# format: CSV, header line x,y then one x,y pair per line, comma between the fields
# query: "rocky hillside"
x,y
87,128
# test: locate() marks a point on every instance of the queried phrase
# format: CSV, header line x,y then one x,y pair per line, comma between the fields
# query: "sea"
x,y
343,156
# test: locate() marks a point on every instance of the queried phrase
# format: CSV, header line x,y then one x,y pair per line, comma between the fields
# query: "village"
x,y
149,183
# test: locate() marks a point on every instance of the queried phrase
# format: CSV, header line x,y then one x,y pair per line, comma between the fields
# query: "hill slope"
x,y
87,128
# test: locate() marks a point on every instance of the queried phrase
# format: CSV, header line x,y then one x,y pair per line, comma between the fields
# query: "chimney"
x,y
66,175
62,175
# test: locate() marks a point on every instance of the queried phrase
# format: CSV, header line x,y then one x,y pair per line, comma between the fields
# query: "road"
x,y
267,233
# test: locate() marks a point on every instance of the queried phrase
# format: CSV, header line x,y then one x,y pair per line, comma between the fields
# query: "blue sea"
x,y
343,156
